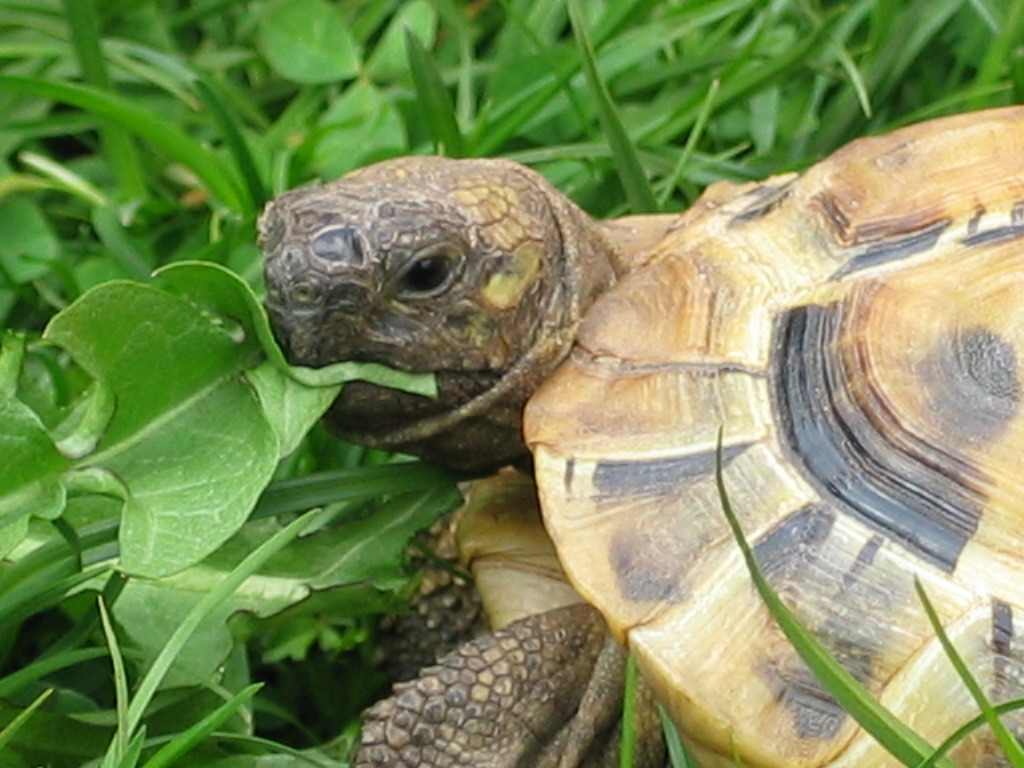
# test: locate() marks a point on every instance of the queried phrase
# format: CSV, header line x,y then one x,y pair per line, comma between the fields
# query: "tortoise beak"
x,y
299,337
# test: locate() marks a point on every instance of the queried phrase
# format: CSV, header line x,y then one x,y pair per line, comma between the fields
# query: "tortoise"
x,y
853,330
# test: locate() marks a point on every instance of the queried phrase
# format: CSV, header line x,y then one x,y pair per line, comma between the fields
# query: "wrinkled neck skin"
x,y
529,264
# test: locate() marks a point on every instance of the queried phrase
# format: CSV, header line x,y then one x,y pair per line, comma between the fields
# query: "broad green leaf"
x,y
51,738
81,430
195,477
30,245
32,465
153,350
226,296
375,545
292,408
308,41
348,570
188,437
361,125
150,610
222,295
210,601
12,534
388,61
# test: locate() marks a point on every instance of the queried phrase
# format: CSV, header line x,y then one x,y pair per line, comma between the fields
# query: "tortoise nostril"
x,y
304,294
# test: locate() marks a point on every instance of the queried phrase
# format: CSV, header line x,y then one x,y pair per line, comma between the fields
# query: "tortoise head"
x,y
476,270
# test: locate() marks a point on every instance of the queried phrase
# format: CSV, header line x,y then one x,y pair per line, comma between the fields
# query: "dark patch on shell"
x,y
893,249
972,384
1013,230
1007,667
1002,627
995,235
1002,651
663,476
917,497
816,715
865,557
766,198
800,534
641,573
802,550
835,217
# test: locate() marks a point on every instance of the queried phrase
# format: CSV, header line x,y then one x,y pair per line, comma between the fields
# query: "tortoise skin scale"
x,y
858,333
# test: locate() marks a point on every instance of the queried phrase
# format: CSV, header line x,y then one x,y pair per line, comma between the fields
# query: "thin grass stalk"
x,y
630,171
118,145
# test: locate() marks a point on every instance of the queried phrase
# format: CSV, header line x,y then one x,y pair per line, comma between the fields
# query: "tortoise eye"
x,y
427,275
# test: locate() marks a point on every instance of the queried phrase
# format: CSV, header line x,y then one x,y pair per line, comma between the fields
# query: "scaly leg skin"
x,y
543,692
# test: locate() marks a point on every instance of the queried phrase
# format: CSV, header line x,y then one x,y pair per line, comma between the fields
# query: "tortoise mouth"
x,y
442,430
473,426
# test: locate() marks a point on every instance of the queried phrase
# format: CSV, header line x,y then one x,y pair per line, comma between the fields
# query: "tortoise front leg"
x,y
544,692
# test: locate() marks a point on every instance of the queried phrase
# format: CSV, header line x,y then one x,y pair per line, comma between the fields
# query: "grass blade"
x,y
195,734
634,180
302,493
1010,746
973,724
32,673
678,755
256,191
216,175
433,98
119,746
118,145
627,744
1000,50
900,741
12,728
12,355
130,758
738,82
151,682
671,181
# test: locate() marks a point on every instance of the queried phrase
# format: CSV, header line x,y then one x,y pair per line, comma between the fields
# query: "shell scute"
x,y
858,334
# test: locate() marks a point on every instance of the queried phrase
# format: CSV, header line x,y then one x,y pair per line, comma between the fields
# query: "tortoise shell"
x,y
857,331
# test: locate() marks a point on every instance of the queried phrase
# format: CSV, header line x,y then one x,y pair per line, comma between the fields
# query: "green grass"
x,y
139,133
